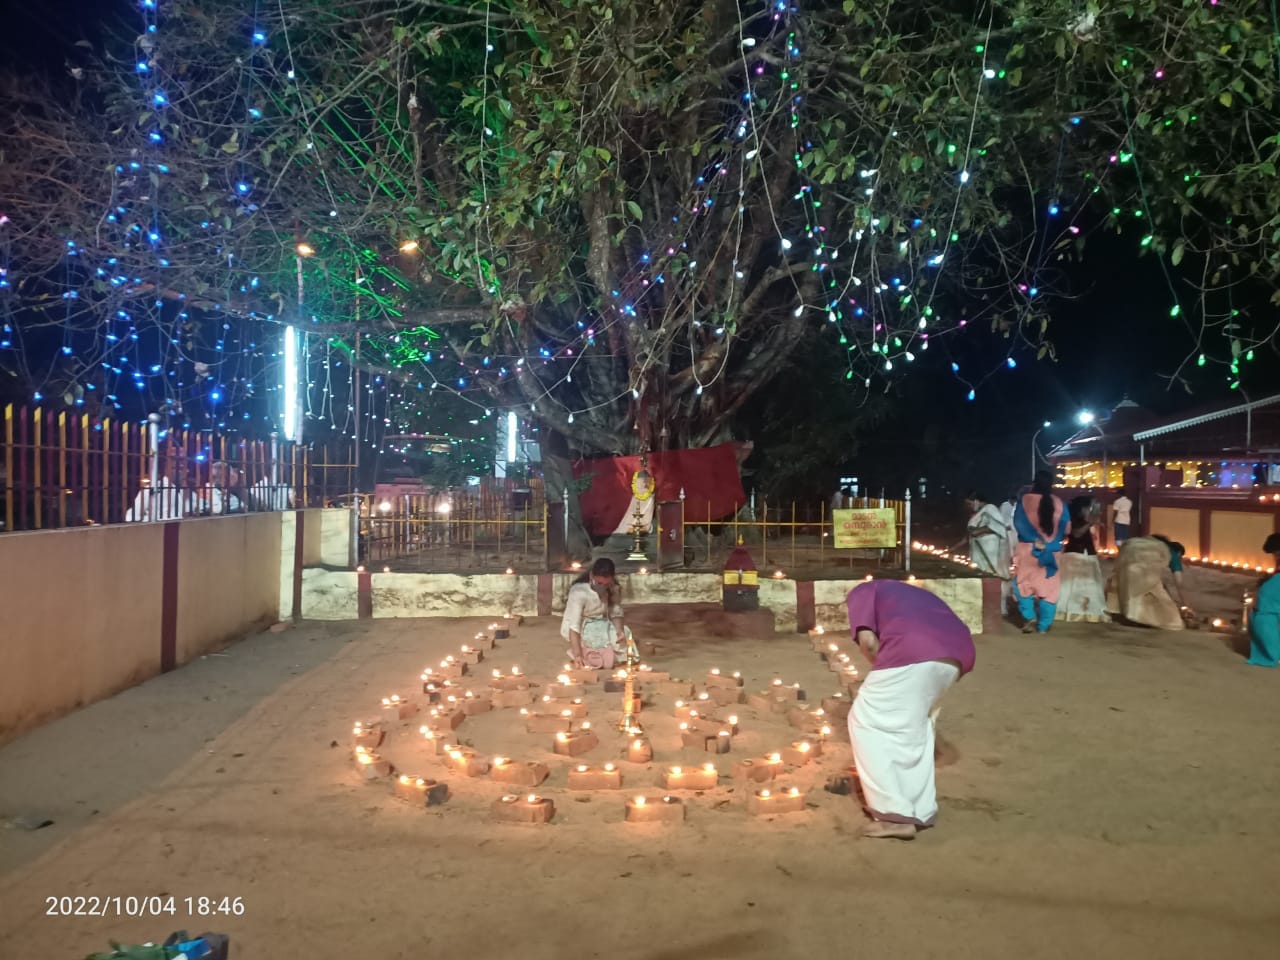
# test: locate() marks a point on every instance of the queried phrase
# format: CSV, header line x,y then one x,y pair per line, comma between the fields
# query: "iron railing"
x,y
493,527
793,534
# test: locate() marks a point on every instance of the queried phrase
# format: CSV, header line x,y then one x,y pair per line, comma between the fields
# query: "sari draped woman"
x,y
1035,568
924,649
596,621
1083,592
1137,591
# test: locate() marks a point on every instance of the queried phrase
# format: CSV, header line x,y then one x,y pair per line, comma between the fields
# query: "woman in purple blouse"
x,y
918,648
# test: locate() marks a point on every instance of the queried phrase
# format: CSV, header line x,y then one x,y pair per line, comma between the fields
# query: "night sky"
x,y
1114,338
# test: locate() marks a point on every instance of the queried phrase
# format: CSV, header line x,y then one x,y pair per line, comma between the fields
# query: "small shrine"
x,y
741,591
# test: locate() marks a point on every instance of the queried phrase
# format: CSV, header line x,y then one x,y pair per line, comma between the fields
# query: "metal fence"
x,y
795,535
497,525
63,469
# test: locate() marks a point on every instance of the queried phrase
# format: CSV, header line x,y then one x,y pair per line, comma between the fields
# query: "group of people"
x,y
173,496
1044,550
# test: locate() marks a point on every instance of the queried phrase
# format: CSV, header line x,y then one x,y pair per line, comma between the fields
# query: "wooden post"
x,y
822,531
764,534
793,534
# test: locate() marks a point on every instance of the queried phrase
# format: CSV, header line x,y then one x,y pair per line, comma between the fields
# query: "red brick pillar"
x,y
545,591
364,595
806,609
992,606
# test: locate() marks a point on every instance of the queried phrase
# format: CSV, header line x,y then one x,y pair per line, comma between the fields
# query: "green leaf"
x,y
633,208
1015,77
1179,249
1224,98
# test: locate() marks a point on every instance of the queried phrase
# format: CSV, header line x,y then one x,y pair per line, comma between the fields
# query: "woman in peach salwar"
x,y
1040,519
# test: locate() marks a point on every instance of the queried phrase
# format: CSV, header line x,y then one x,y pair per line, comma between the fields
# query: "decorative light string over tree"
x,y
130,297
623,216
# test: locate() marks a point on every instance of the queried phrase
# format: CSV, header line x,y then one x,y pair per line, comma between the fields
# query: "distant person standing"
x,y
1007,509
1122,510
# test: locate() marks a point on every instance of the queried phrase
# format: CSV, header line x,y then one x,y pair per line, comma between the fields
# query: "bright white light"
x,y
512,427
1084,417
444,507
291,404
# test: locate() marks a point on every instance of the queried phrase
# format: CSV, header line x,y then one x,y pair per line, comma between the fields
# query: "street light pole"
x,y
1035,451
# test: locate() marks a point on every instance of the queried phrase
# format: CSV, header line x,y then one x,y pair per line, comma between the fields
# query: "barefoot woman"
x,y
918,648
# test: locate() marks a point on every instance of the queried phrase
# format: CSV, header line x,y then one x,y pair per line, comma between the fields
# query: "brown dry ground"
x,y
1105,792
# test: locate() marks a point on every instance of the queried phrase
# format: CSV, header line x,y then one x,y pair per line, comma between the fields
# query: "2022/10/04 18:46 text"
x,y
144,906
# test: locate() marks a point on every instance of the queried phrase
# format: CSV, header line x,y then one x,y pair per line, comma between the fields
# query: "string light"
x,y
878,290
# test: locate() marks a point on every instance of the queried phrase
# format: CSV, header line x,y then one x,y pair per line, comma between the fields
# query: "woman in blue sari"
x,y
1040,520
1264,623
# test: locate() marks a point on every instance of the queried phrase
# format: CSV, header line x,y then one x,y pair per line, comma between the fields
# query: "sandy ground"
x,y
1105,791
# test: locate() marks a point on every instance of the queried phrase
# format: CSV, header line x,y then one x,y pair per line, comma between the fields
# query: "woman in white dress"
x,y
988,537
592,622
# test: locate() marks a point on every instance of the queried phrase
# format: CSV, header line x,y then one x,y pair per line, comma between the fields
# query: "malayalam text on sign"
x,y
864,529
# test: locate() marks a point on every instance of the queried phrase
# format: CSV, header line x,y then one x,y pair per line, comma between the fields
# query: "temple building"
x,y
1209,479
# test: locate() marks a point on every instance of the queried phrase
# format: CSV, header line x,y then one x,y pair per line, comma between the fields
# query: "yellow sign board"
x,y
865,529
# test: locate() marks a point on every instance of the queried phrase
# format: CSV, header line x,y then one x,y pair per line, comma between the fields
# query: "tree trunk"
x,y
558,485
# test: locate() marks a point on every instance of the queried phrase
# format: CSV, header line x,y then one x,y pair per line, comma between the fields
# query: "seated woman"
x,y
1083,594
1137,590
1264,619
918,649
592,621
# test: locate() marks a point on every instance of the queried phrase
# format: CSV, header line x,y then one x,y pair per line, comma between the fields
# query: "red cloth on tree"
x,y
709,477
